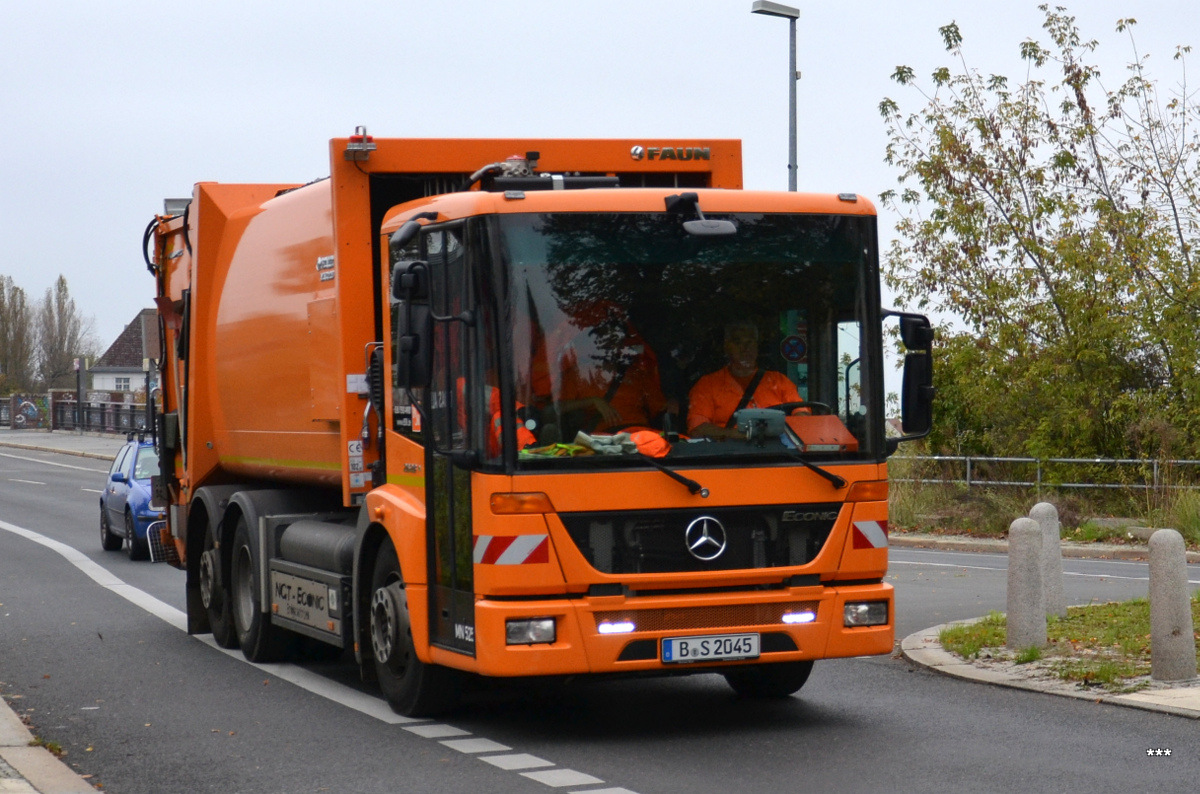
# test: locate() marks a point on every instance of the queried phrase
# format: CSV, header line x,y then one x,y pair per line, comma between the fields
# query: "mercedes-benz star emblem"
x,y
705,538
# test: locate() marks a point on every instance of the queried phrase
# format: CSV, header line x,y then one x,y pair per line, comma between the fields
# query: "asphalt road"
x,y
142,707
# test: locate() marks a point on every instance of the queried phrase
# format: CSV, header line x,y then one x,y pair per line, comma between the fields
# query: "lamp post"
x,y
791,15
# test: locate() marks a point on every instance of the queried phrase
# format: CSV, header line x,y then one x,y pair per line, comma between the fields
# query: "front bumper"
x,y
580,648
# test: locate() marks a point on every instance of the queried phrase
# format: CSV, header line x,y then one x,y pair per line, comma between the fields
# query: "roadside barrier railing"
x,y
1066,473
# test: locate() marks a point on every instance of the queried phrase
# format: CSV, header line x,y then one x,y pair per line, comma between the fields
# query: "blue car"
x,y
125,511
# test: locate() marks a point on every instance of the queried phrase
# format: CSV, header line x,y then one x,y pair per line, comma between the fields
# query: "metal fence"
x,y
1038,473
49,412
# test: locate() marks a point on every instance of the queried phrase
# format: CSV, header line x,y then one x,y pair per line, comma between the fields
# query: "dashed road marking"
x,y
516,761
476,746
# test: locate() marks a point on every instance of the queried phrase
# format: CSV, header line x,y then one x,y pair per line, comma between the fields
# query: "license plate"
x,y
712,648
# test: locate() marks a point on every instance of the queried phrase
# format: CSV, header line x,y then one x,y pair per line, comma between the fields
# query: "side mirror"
x,y
917,391
410,280
414,362
118,476
916,398
915,332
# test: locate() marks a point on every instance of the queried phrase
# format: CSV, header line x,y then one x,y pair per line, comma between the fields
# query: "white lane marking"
x,y
559,778
476,746
93,490
516,761
52,463
27,482
1065,573
330,690
980,554
341,694
437,731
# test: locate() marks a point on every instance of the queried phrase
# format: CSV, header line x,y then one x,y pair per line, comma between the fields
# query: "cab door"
x,y
458,426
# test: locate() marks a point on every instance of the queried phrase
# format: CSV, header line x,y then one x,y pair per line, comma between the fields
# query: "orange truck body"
x,y
272,299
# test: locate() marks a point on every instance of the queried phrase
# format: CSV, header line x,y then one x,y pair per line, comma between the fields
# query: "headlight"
x,y
529,632
867,613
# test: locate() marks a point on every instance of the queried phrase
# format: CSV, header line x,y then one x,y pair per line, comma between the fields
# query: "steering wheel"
x,y
787,408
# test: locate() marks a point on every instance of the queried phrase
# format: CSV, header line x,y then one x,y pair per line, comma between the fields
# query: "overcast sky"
x,y
108,107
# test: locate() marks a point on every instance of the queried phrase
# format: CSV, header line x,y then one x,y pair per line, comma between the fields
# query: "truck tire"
x,y
261,641
769,680
213,592
411,687
136,549
109,540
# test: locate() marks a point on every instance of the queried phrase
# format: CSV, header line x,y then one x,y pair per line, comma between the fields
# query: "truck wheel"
x,y
136,549
213,594
769,680
108,540
260,640
411,687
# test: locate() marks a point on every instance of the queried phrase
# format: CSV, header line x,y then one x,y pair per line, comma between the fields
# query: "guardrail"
x,y
41,412
1102,473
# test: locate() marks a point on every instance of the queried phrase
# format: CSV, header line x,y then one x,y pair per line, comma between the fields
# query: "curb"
x,y
1094,551
923,648
56,451
37,770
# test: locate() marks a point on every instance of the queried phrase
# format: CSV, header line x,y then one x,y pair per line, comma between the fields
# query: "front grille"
x,y
656,541
714,617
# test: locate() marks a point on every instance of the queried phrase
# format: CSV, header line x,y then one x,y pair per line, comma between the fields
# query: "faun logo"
x,y
670,153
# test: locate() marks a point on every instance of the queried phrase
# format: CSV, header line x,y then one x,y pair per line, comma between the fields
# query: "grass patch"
x,y
969,639
53,747
1101,645
1030,654
1089,532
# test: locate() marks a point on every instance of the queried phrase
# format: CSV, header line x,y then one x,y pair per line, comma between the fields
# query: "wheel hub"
x,y
208,577
387,613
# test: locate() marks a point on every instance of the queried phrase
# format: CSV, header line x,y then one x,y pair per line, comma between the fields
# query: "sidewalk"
x,y
26,769
100,446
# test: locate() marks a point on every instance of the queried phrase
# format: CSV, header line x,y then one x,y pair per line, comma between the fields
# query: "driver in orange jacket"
x,y
715,397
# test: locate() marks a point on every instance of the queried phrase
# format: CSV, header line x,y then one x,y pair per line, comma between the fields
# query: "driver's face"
x,y
741,347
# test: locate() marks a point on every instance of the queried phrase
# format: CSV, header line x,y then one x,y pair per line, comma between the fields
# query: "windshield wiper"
x,y
692,485
838,482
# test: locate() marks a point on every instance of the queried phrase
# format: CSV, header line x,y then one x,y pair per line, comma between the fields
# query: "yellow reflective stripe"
x,y
282,464
407,480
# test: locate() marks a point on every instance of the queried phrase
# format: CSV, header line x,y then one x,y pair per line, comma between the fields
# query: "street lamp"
x,y
791,15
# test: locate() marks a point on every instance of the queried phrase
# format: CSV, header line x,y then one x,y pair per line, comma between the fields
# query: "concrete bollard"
x,y
1026,601
1172,638
1046,515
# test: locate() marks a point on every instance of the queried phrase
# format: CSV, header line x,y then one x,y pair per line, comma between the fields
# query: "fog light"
x,y
799,617
622,627
529,632
870,613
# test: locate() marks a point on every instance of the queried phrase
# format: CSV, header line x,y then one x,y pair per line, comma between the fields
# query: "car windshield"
x,y
625,321
147,464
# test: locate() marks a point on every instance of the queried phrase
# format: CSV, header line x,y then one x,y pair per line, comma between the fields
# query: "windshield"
x,y
147,464
625,322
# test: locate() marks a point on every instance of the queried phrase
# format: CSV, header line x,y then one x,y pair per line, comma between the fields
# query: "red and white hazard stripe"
x,y
511,549
870,534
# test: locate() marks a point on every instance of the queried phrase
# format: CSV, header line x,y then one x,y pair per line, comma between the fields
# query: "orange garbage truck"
x,y
433,410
